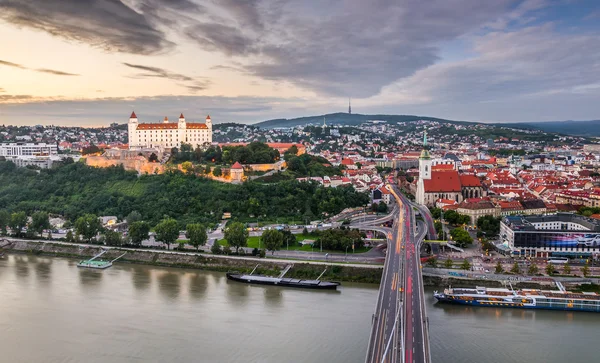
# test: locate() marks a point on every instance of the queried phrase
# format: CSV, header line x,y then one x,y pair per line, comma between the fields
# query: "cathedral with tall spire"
x,y
439,183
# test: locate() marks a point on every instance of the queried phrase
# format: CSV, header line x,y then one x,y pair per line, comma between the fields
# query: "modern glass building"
x,y
559,235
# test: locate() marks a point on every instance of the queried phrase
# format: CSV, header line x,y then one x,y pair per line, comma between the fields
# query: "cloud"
x,y
16,98
106,24
158,72
42,70
103,111
356,49
530,74
11,64
56,73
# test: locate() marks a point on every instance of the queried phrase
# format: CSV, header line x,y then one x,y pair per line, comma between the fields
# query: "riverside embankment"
x,y
192,260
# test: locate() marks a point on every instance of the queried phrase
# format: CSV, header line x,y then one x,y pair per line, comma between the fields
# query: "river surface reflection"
x,y
53,311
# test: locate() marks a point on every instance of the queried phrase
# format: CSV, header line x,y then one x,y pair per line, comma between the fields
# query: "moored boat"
x,y
284,281
522,299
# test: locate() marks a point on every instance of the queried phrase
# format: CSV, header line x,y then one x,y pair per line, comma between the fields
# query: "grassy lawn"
x,y
254,241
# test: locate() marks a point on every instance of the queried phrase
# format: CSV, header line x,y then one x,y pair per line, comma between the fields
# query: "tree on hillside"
x,y
167,231
499,269
138,232
133,217
436,213
4,220
112,238
272,240
88,226
461,237
236,235
217,171
187,167
153,158
17,222
207,170
39,222
292,151
196,233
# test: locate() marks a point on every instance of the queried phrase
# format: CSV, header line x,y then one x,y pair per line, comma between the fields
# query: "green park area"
x,y
253,242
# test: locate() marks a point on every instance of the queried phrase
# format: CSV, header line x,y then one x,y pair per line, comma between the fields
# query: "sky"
x,y
92,62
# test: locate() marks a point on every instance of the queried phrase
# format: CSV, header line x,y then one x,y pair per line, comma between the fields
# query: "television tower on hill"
x,y
349,107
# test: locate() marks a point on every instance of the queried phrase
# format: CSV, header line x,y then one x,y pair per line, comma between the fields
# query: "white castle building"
x,y
167,135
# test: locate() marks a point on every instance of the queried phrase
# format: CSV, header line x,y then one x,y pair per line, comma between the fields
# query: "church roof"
x,y
425,154
442,182
237,165
469,181
133,115
181,116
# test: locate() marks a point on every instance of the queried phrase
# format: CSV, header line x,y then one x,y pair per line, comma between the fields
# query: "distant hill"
x,y
346,119
575,128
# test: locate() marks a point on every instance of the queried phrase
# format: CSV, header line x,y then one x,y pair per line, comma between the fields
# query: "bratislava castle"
x,y
167,135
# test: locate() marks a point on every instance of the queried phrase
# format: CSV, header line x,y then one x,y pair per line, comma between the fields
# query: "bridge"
x,y
399,330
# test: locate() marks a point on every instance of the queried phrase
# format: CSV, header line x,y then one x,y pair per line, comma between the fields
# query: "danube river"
x,y
52,311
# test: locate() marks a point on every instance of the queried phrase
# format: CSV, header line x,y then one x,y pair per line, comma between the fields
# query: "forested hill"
x,y
345,119
75,189
575,128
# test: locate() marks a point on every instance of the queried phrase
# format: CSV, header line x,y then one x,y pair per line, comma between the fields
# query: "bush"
x,y
227,250
255,252
263,253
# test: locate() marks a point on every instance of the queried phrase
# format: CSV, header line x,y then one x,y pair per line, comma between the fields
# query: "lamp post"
x,y
346,257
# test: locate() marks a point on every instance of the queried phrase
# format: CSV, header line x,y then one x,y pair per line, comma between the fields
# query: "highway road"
x,y
399,326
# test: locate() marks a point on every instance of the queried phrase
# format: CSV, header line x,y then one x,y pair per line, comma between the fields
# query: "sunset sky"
x,y
91,62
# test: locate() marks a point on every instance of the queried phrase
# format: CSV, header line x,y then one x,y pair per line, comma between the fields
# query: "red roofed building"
x,y
236,172
167,135
444,184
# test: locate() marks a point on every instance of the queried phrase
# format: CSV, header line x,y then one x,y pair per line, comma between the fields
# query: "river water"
x,y
52,311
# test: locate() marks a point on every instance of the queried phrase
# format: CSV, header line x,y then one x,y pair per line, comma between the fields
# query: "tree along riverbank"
x,y
305,270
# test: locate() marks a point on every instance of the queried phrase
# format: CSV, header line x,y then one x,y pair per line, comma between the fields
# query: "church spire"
x,y
425,152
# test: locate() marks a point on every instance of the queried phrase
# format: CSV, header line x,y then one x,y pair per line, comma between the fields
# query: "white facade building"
x,y
167,135
27,149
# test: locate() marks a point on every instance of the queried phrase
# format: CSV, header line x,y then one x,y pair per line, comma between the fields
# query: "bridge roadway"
x,y
399,325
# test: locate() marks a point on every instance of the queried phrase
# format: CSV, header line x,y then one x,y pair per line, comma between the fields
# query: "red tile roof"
x,y
347,162
237,165
156,126
469,181
442,181
181,116
133,115
192,125
443,167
